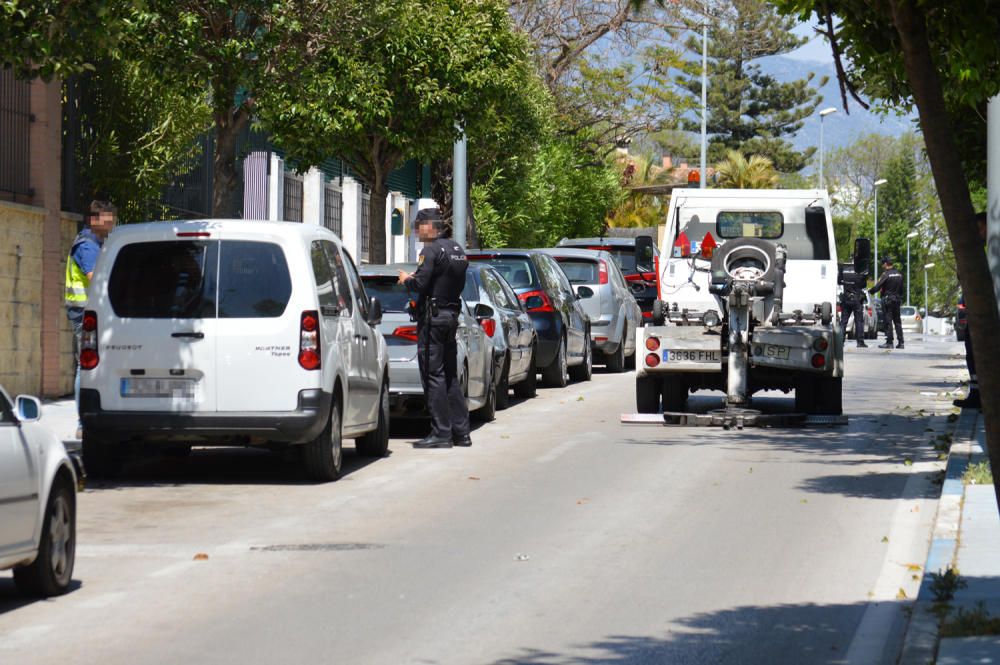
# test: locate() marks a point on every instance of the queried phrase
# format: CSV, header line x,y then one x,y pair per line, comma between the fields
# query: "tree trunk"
x,y
953,191
227,192
376,218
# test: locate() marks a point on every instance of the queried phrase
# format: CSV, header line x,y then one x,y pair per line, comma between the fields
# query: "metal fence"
x,y
333,209
15,128
365,223
293,198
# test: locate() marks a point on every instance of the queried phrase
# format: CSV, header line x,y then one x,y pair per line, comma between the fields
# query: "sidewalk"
x,y
967,539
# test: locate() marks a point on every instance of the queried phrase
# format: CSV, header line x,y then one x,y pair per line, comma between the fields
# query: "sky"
x,y
816,49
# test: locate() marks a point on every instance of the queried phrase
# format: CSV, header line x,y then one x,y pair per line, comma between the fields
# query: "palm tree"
x,y
738,172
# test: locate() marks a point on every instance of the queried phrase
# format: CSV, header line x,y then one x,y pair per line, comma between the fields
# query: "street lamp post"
x,y
908,237
704,99
822,114
878,183
927,308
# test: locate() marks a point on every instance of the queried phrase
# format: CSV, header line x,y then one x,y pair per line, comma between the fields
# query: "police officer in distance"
x,y
439,281
851,305
890,284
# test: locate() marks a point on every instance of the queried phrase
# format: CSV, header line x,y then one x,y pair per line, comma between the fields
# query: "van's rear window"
x,y
185,279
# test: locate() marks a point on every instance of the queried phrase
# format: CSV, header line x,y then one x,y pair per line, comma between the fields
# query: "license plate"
x,y
168,388
692,356
776,351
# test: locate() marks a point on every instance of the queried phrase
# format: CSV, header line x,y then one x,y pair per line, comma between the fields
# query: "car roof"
x,y
386,270
243,225
578,253
607,242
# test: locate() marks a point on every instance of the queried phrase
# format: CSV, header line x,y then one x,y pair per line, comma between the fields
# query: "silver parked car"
x,y
511,328
911,320
613,310
476,349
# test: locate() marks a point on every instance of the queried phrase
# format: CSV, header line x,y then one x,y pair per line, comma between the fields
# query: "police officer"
x,y
439,281
851,305
890,284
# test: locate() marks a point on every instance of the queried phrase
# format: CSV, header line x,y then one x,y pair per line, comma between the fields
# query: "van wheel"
x,y
324,455
101,459
376,442
584,370
647,394
503,386
556,374
616,361
51,572
528,388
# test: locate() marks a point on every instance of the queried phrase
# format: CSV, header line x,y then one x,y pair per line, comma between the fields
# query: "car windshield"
x,y
580,271
515,269
393,296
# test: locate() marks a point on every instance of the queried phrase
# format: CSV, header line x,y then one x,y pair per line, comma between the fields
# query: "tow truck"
x,y
746,287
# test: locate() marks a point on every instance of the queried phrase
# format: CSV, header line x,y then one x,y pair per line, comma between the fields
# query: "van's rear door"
x,y
258,325
158,336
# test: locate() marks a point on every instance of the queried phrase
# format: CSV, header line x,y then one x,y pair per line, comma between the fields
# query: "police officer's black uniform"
x,y
851,304
891,286
439,281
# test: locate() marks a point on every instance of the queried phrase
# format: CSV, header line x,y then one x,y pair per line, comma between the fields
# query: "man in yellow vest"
x,y
80,270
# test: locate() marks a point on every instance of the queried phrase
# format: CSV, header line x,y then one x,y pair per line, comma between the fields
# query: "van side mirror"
x,y
29,409
862,255
374,312
644,254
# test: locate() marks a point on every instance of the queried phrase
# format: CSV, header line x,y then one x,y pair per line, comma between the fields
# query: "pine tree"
x,y
748,110
899,209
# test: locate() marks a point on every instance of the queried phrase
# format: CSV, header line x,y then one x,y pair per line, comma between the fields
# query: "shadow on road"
x,y
799,634
11,599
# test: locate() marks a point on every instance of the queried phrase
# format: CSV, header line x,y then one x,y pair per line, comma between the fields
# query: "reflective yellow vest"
x,y
76,284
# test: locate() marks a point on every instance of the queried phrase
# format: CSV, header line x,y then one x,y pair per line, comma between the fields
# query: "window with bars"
x,y
15,125
365,224
333,210
293,198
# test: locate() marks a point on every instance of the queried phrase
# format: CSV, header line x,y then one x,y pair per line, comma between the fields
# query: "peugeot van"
x,y
230,332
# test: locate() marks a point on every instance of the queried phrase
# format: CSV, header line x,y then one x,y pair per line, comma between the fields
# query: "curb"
x,y
921,639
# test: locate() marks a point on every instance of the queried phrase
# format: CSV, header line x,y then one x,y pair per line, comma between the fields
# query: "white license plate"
x,y
776,351
692,356
168,388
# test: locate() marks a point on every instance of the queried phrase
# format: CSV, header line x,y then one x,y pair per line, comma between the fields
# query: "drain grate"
x,y
317,547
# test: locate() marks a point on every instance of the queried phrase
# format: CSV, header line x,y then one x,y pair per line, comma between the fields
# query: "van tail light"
x,y
602,272
309,351
489,325
546,301
89,357
409,333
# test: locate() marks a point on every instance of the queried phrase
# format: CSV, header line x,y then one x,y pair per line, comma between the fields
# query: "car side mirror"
x,y
374,312
644,253
862,255
29,409
534,302
483,311
583,292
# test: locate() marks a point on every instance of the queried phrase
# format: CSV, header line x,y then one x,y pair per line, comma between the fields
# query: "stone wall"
x,y
21,249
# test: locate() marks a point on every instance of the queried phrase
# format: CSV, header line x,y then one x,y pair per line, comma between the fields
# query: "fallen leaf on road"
x,y
885,539
580,502
473,477
915,509
505,436
804,501
580,398
751,470
521,557
915,578
201,556
901,595
908,462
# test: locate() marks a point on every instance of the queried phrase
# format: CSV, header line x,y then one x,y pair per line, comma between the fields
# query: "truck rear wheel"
x,y
675,393
819,395
647,394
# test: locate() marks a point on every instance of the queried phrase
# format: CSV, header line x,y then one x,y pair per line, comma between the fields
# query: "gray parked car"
x,y
511,328
476,350
613,310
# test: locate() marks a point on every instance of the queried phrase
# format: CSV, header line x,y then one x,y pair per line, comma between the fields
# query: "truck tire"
x,y
675,393
826,313
829,396
647,394
805,394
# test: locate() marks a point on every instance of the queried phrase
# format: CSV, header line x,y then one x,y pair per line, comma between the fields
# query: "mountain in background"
x,y
840,129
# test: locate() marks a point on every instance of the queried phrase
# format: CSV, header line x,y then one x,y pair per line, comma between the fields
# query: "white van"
x,y
231,332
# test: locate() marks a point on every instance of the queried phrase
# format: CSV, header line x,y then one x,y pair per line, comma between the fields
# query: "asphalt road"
x,y
561,536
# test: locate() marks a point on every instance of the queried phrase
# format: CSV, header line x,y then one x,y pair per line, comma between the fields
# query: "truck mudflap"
x,y
732,418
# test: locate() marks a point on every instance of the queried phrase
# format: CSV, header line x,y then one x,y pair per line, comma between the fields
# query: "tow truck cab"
x,y
767,256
